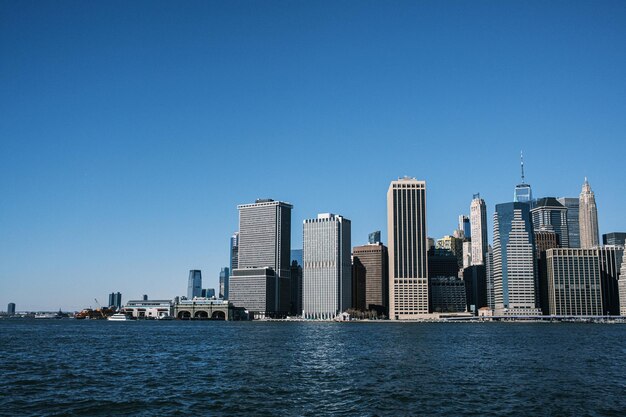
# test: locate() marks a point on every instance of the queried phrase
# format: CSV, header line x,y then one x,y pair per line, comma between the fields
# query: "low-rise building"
x,y
149,309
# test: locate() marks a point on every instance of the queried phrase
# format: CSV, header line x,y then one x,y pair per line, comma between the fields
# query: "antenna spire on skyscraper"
x,y
522,161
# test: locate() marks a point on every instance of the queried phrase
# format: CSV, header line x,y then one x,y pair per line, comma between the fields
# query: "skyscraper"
x,y
622,287
11,309
327,270
265,235
513,260
234,251
544,240
115,300
588,217
374,259
464,226
478,223
295,308
614,238
374,237
610,264
573,229
264,241
523,193
490,284
574,282
408,261
194,286
549,214
224,276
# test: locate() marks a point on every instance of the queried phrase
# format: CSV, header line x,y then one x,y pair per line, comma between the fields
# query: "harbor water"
x,y
149,368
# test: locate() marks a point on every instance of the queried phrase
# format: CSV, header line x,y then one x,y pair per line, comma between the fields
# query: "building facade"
x,y
610,264
465,226
447,295
258,291
514,261
408,260
574,282
491,303
544,240
614,238
478,223
11,309
549,214
621,285
224,276
588,218
573,228
374,237
194,284
374,259
115,300
234,251
263,244
327,269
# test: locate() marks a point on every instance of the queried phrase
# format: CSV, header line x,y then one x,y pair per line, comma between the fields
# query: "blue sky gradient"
x,y
129,131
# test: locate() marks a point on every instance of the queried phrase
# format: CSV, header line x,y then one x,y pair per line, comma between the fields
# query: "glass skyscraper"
x,y
573,229
549,214
513,260
194,285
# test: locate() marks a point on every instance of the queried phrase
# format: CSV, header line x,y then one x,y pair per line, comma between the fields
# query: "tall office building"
x,y
234,251
442,263
374,259
194,285
327,270
614,238
544,240
264,241
549,214
453,244
465,227
265,235
513,260
11,309
295,308
588,218
447,295
358,285
523,193
573,229
574,282
622,287
258,290
224,276
478,223
491,303
610,264
115,300
374,237
475,279
467,254
408,260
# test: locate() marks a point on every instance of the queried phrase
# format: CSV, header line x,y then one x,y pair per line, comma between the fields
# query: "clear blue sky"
x,y
129,131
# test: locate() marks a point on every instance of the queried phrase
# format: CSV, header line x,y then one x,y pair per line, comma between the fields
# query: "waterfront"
x,y
309,368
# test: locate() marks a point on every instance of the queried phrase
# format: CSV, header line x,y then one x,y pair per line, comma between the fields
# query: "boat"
x,y
119,317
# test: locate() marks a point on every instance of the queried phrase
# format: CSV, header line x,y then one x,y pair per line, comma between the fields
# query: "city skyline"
x,y
131,133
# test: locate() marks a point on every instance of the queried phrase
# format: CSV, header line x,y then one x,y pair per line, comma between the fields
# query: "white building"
x,y
478,224
327,269
622,287
588,218
149,309
407,238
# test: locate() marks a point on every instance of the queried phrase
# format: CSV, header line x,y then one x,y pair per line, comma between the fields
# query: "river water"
x,y
70,367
